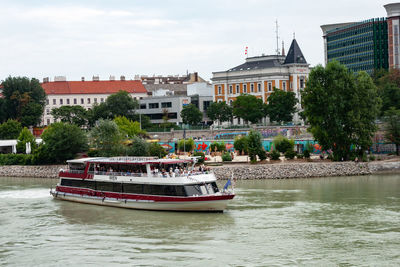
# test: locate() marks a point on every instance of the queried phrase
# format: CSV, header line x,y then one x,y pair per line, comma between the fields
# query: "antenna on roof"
x,y
277,37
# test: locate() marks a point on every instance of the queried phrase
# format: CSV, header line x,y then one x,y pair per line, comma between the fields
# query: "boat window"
x,y
210,189
133,188
104,186
203,189
192,190
117,187
91,167
78,183
215,187
180,191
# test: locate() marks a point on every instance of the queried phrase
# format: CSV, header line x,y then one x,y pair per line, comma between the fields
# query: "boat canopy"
x,y
130,160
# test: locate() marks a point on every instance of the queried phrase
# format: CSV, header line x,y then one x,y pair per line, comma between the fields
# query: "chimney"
x,y
122,78
196,77
46,80
83,79
96,78
112,78
283,49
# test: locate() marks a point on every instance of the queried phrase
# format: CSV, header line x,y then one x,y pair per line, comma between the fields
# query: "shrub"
x,y
241,144
16,159
25,136
217,146
300,156
275,155
156,150
139,147
282,144
262,155
364,157
186,145
290,154
372,157
255,145
226,156
93,153
306,154
201,155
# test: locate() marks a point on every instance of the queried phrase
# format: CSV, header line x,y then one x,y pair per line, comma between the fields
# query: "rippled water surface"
x,y
343,221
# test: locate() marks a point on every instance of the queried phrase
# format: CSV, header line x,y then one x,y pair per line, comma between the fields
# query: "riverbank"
x,y
245,171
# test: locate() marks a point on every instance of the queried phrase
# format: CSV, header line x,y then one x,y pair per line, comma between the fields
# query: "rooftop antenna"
x,y
294,35
277,37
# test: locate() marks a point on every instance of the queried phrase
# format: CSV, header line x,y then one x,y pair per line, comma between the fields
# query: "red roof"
x,y
92,87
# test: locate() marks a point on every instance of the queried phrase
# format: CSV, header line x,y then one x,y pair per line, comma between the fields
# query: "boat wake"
x,y
25,194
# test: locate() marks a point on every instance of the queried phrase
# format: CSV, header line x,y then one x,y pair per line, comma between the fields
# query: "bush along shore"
x,y
243,171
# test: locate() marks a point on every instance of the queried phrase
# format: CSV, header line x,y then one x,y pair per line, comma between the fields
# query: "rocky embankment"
x,y
303,170
43,171
245,171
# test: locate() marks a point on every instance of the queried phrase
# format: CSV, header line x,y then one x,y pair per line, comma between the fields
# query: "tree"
x,y
388,84
156,150
106,138
24,100
282,144
128,128
72,114
341,108
241,144
139,147
10,130
281,106
186,145
62,141
191,115
25,137
249,108
255,146
392,127
220,111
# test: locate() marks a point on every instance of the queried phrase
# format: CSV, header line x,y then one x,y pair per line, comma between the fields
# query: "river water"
x,y
340,221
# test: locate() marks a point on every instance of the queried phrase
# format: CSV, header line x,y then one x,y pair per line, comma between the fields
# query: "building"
x,y
61,92
365,46
156,107
360,46
259,76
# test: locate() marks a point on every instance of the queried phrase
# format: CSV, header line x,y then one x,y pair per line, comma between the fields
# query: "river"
x,y
338,221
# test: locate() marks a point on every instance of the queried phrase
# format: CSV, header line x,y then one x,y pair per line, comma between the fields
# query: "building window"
x,y
237,89
95,100
230,102
301,83
269,87
88,100
101,100
47,101
54,102
230,89
291,85
142,106
82,101
48,121
259,87
47,111
284,86
219,90
206,104
153,105
61,101
252,88
75,101
67,101
166,104
244,88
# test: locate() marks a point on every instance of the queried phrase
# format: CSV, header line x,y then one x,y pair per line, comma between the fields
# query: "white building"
x,y
85,93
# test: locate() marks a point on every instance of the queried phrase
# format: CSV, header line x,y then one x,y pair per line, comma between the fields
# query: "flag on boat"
x,y
227,184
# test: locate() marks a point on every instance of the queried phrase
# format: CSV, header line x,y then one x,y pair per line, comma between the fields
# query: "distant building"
x,y
365,46
85,93
259,76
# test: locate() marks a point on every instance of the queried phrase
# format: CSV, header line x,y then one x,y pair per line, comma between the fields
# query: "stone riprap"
x,y
243,171
41,171
302,170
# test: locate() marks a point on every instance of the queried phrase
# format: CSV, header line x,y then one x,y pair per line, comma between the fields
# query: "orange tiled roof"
x,y
92,87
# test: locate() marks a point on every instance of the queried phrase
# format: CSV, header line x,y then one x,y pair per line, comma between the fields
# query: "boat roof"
x,y
132,160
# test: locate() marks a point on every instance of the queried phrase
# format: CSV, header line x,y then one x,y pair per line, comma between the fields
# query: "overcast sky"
x,y
127,37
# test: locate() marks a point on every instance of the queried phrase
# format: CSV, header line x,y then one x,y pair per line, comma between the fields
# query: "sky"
x,y
83,38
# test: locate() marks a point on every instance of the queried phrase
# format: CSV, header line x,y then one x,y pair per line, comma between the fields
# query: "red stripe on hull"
x,y
90,192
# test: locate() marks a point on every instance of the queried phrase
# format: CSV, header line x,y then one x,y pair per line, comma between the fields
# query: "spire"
x,y
295,56
283,49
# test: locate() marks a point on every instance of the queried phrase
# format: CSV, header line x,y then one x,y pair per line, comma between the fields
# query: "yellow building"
x,y
259,76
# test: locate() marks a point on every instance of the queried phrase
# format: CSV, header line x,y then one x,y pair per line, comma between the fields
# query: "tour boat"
x,y
142,183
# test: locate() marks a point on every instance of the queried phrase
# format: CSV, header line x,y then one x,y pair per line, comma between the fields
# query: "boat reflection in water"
x,y
141,183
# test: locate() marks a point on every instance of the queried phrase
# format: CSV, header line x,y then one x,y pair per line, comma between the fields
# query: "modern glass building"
x,y
361,46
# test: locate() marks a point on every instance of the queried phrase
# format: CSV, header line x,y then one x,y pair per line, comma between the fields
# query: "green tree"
x,y
24,137
220,111
139,147
282,144
62,141
341,108
186,145
3,112
255,146
392,127
249,108
106,138
72,114
10,130
128,128
241,144
191,115
281,106
156,150
24,100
